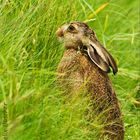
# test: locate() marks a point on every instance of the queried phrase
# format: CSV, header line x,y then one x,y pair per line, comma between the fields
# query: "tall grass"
x,y
31,104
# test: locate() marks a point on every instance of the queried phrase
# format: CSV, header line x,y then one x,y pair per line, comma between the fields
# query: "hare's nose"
x,y
59,32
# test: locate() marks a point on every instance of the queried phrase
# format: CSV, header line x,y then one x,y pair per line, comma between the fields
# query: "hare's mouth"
x,y
61,39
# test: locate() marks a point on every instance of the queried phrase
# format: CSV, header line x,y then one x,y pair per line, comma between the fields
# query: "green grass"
x,y
29,54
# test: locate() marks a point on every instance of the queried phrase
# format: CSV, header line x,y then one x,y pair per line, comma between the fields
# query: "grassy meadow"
x,y
31,104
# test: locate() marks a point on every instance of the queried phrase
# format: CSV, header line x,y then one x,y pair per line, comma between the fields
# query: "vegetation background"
x,y
31,104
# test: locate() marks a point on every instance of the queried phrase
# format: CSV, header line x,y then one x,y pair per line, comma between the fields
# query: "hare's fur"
x,y
75,68
86,62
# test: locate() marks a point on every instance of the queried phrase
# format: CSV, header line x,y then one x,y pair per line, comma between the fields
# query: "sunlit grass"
x,y
30,53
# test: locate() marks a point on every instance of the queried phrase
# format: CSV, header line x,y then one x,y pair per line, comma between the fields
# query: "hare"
x,y
85,59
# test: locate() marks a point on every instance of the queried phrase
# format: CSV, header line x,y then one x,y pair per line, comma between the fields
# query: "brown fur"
x,y
77,68
74,70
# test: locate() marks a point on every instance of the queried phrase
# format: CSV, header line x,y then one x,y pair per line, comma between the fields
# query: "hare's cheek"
x,y
69,38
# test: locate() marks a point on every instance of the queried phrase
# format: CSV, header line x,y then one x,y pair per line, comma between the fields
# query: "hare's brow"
x,y
80,24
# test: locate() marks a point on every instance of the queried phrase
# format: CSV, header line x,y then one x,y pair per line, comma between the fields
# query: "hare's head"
x,y
78,35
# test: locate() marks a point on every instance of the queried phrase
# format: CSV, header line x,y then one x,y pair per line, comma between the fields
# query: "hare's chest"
x,y
70,71
70,62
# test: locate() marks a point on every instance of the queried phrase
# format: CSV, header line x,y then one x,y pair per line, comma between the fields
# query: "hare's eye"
x,y
71,28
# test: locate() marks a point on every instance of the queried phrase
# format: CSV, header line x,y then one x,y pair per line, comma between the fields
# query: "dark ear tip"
x,y
115,71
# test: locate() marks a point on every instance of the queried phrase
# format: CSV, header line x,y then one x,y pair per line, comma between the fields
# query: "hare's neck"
x,y
71,54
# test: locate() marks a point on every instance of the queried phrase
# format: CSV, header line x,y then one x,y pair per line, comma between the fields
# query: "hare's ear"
x,y
111,61
101,57
97,59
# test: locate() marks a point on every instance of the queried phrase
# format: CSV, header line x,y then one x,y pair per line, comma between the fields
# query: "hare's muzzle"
x,y
59,32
